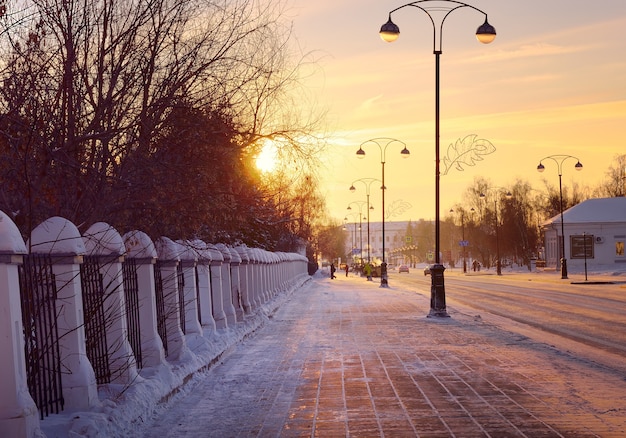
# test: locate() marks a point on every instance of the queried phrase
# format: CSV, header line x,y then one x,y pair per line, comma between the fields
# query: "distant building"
x,y
395,237
595,231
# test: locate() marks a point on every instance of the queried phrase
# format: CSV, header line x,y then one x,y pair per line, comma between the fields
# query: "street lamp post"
x,y
485,34
383,143
559,160
367,182
360,204
354,216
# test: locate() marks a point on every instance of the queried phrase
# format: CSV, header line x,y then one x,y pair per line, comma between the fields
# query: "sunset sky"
x,y
553,82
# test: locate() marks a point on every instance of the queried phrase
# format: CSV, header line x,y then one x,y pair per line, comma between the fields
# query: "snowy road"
x,y
588,318
345,358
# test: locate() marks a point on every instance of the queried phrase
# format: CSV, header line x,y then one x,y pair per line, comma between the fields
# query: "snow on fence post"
x,y
274,267
269,278
188,260
235,279
290,272
18,412
216,286
141,248
253,282
283,274
104,242
60,238
267,275
245,279
227,301
255,254
203,268
168,258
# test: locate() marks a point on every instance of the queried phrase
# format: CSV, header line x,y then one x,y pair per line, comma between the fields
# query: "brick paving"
x,y
345,358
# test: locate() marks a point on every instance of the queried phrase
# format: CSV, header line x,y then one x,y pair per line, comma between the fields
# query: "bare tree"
x,y
615,183
96,95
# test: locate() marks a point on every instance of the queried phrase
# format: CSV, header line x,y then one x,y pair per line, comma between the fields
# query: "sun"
x,y
266,160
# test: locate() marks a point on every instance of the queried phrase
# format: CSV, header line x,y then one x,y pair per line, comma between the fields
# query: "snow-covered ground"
x,y
126,414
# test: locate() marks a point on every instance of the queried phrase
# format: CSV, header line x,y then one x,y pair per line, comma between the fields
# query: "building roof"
x,y
597,210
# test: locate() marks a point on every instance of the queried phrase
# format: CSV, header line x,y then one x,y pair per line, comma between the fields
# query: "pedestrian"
x,y
332,271
368,271
347,269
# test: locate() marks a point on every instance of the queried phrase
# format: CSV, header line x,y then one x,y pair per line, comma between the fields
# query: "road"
x,y
586,318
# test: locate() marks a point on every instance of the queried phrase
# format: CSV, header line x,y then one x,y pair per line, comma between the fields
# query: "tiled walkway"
x,y
344,358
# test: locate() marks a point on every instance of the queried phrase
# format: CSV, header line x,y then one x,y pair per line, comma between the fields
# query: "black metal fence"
x,y
41,337
131,295
95,320
38,293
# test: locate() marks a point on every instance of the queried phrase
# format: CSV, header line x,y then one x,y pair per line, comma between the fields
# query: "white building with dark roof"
x,y
595,233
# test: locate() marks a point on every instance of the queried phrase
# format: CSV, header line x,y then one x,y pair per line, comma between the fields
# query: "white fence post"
x,y
216,287
204,285
235,278
18,413
168,256
227,301
245,280
60,238
188,260
103,241
141,248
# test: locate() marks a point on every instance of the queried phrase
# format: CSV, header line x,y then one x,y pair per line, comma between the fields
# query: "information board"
x,y
581,247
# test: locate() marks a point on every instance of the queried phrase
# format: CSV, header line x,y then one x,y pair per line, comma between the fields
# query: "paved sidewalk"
x,y
345,358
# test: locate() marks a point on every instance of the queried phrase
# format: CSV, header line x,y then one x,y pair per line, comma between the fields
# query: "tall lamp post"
x,y
495,210
485,34
383,143
360,205
559,160
367,182
354,216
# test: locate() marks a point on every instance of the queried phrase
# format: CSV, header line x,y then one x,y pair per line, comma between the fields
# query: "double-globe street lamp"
x,y
498,191
559,160
485,34
383,143
367,182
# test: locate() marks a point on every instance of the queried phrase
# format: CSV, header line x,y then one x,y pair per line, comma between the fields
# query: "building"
x,y
395,237
595,233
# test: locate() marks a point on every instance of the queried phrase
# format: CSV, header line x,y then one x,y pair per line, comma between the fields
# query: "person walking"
x,y
367,270
347,269
332,271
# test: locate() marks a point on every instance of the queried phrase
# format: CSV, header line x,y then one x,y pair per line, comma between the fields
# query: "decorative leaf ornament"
x,y
466,152
397,208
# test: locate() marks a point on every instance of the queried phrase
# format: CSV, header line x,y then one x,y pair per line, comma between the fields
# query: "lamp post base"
x,y
383,275
437,292
563,268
